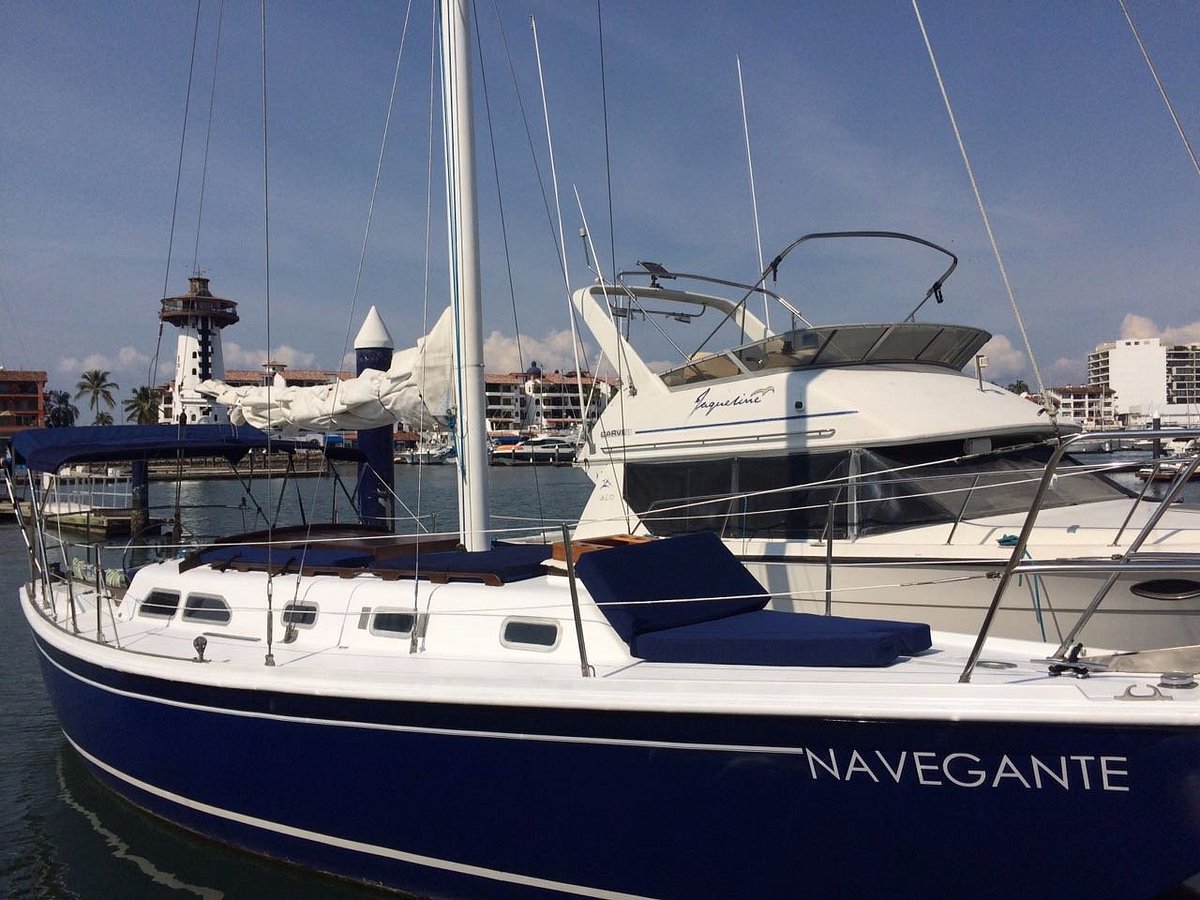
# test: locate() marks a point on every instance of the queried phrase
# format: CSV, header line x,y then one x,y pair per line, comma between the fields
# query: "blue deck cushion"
x,y
509,562
772,638
681,568
737,630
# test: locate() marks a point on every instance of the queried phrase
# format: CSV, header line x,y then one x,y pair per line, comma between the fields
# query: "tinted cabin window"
x,y
751,497
680,498
160,604
530,634
892,488
392,624
902,487
771,504
302,614
206,608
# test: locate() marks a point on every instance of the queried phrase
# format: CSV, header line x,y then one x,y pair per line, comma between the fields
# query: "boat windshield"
x,y
947,346
873,491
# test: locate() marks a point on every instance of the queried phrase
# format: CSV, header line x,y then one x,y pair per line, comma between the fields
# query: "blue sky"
x,y
1093,199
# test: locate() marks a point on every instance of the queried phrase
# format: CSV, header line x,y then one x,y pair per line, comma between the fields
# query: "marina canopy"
x,y
49,449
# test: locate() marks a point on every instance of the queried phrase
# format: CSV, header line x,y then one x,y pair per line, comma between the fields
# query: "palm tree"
x,y
60,411
94,385
103,418
142,407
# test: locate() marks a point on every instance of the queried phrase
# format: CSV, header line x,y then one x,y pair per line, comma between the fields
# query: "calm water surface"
x,y
62,835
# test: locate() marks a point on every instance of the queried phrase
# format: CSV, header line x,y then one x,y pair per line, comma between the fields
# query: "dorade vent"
x,y
529,634
392,623
160,604
206,608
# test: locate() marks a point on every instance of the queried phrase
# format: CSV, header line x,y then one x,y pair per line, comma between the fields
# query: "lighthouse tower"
x,y
199,316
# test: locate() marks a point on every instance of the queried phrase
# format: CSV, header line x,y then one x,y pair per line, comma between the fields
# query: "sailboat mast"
x,y
463,227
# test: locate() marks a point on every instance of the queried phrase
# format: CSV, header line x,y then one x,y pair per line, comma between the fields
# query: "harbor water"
x,y
64,836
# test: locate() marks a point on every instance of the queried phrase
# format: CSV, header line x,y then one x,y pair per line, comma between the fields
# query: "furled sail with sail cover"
x,y
417,389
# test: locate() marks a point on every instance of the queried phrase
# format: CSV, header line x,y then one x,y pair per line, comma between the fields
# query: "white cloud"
x,y
500,353
127,361
1135,327
1068,371
1004,360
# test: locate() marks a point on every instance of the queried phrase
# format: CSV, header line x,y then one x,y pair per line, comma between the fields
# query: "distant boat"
x,y
545,450
436,455
1166,470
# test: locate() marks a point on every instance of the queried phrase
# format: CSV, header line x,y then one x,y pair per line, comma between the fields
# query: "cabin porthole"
x,y
301,615
392,623
529,634
206,608
1168,589
159,604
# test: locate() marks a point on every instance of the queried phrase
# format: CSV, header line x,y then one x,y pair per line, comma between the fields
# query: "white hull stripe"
x,y
357,846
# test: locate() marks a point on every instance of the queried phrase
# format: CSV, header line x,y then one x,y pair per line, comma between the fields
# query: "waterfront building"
x,y
1092,406
539,401
294,377
1149,379
22,403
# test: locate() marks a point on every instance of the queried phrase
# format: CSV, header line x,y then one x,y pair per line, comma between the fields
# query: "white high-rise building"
x,y
1149,379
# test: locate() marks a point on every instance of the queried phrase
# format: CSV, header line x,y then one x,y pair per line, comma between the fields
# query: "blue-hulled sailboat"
x,y
615,718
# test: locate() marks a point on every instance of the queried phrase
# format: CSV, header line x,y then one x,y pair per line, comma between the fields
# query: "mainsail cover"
x,y
417,389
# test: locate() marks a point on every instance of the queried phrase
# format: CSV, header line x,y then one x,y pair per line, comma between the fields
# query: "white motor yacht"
x,y
858,469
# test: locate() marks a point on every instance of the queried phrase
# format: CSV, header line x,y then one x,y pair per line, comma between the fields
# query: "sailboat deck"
x,y
1010,678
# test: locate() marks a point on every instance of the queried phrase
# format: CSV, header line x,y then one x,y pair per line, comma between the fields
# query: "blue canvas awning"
x,y
49,449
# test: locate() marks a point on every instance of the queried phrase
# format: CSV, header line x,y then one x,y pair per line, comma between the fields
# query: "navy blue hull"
x,y
459,800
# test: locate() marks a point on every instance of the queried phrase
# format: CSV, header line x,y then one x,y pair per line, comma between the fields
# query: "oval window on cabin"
x,y
303,615
206,608
392,623
159,604
1173,589
529,634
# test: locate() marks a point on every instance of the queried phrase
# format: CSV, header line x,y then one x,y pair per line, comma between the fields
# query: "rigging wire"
x,y
212,96
362,254
512,293
270,657
562,242
434,68
612,234
620,365
187,103
369,472
1161,88
1046,404
753,193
